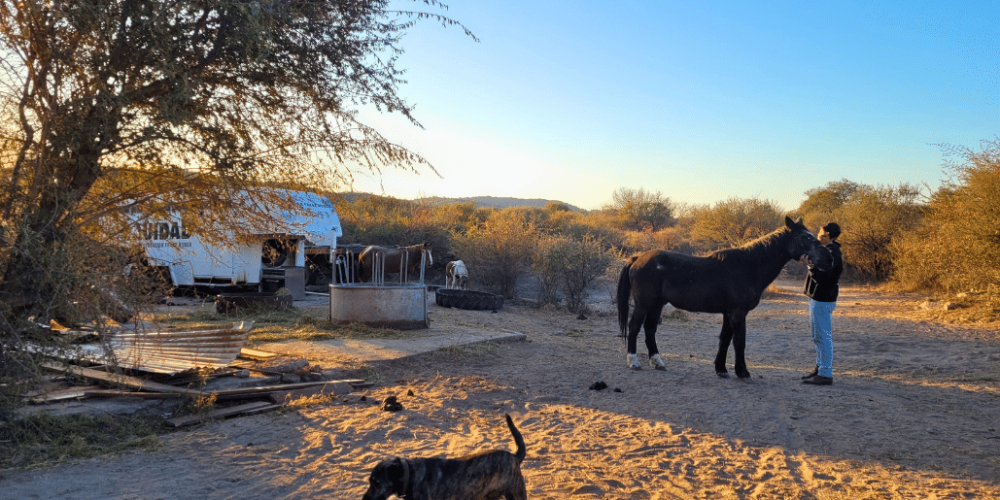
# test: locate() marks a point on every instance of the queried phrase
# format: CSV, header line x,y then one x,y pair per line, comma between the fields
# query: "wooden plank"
x,y
286,387
257,407
111,393
146,385
62,394
135,383
254,354
55,384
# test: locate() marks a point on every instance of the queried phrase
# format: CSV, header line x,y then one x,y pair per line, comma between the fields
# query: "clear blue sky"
x,y
702,101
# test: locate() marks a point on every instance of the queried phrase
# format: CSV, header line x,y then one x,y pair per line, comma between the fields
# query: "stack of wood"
x,y
248,400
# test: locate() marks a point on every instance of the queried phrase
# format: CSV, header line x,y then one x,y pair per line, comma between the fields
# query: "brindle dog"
x,y
492,474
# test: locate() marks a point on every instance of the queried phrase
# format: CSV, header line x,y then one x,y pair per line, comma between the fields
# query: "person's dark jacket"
x,y
823,286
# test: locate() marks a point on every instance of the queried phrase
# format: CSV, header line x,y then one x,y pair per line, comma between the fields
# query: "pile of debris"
x,y
199,364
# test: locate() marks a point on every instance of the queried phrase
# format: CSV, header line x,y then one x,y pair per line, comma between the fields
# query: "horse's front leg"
x,y
739,326
652,319
725,337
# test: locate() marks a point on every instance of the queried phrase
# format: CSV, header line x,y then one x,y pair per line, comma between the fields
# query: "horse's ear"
x,y
792,224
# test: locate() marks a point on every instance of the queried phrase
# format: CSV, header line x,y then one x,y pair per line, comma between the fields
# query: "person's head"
x,y
829,232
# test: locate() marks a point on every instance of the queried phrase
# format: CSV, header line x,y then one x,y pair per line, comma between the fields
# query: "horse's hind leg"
x,y
634,325
725,337
652,319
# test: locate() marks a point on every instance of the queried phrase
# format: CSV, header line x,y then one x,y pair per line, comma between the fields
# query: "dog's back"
x,y
491,474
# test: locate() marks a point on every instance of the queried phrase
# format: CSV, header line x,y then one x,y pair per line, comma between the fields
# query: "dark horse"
x,y
394,259
728,281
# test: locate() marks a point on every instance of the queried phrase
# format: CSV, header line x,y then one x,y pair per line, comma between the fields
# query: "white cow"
x,y
456,275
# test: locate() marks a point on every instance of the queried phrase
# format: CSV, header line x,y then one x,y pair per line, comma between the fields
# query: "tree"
x,y
154,106
957,245
871,217
871,220
640,210
499,251
733,222
821,203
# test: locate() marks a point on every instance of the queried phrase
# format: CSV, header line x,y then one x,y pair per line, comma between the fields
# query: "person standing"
x,y
822,288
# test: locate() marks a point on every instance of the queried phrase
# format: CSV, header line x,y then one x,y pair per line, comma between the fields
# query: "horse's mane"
x,y
759,247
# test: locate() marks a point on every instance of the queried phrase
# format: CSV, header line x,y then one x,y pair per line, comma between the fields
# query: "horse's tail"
x,y
624,291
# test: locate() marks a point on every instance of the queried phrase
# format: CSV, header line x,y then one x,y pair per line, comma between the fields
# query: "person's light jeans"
x,y
821,321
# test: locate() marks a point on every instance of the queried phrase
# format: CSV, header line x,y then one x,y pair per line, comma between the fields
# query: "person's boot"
x,y
818,380
812,373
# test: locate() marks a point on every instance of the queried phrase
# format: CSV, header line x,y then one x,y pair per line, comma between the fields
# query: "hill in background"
x,y
494,202
480,201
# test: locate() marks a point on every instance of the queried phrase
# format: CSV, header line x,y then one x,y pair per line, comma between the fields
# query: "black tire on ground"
x,y
468,299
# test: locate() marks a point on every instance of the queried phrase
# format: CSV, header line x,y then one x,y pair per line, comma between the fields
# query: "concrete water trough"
x,y
402,306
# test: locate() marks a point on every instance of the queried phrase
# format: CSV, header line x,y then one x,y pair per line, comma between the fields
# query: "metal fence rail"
x,y
347,264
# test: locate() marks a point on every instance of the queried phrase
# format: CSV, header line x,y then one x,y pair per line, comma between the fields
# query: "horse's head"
x,y
426,247
803,242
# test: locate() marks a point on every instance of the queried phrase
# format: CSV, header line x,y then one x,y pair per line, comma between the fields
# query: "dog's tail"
x,y
521,450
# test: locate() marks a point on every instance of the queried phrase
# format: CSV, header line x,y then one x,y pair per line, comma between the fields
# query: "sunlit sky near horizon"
x,y
701,101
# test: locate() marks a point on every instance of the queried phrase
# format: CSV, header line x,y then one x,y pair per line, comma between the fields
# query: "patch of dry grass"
x,y
971,308
307,327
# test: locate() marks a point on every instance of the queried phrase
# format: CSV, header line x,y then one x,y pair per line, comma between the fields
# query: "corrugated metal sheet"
x,y
172,352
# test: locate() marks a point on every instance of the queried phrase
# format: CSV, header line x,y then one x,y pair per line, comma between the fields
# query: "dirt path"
x,y
913,413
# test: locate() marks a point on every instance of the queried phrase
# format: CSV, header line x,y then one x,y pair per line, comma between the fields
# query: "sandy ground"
x,y
914,412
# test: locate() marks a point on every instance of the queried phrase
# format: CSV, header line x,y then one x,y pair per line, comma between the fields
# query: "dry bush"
x,y
671,238
382,220
499,251
545,269
639,210
571,266
89,282
733,222
871,219
957,247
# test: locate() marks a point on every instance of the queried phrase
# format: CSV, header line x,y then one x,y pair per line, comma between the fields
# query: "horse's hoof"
x,y
632,361
722,374
657,363
748,379
635,368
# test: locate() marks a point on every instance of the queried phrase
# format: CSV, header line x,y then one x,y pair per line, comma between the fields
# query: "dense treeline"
x,y
943,240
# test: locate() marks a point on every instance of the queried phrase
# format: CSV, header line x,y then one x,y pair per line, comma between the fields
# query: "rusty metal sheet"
x,y
173,352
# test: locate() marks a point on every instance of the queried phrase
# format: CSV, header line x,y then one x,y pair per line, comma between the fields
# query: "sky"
x,y
700,101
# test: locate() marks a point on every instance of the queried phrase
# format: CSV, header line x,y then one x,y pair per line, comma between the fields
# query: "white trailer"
x,y
270,258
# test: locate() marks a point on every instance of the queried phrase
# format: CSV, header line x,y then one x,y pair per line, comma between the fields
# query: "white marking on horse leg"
x,y
633,361
657,362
